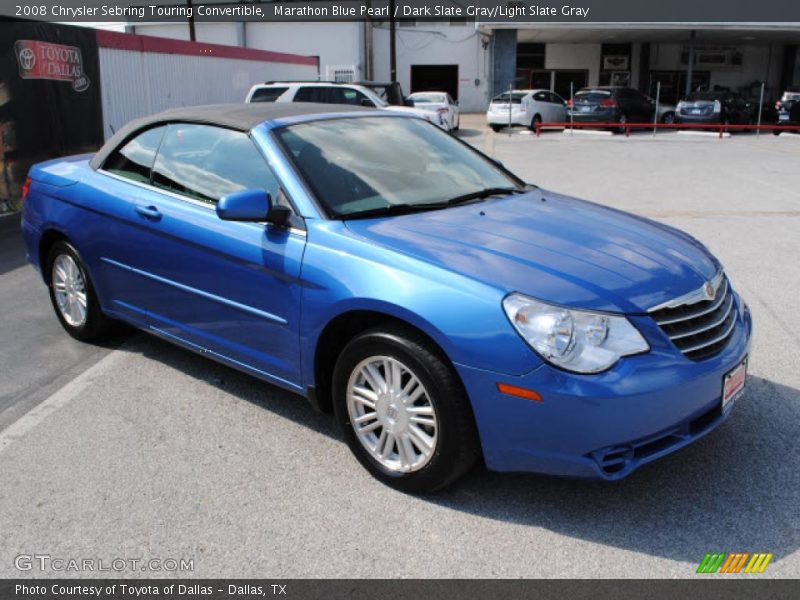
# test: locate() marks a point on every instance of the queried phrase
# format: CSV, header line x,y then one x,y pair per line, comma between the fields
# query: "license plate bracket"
x,y
733,384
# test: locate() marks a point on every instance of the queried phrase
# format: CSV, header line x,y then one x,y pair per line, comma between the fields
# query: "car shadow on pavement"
x,y
737,489
468,133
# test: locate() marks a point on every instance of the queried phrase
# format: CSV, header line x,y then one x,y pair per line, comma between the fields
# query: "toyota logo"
x,y
27,58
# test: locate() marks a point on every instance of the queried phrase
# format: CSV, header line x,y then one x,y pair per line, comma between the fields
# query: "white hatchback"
x,y
526,108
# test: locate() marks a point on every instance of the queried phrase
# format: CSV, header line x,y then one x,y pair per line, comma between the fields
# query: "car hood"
x,y
552,247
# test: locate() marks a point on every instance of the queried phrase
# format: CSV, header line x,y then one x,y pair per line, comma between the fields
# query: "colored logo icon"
x,y
734,562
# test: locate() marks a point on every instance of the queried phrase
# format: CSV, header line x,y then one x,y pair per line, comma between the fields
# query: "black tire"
x,y
668,118
536,119
623,119
776,132
496,128
96,324
457,446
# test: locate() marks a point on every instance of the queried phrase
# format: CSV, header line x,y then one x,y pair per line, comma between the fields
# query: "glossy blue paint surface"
x,y
258,297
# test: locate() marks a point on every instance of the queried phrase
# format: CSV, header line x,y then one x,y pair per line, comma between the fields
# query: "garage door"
x,y
435,78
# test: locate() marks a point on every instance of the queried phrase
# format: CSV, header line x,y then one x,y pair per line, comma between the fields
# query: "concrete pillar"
x,y
504,60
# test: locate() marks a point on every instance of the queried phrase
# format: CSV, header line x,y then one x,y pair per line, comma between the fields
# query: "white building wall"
x,y
438,44
574,57
135,83
336,44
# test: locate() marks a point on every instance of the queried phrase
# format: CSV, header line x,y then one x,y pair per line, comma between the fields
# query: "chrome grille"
x,y
699,328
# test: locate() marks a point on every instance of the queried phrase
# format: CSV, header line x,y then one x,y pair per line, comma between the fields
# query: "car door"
x,y
541,106
557,107
231,289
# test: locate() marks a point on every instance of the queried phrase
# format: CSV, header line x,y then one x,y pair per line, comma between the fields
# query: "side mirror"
x,y
367,102
252,205
408,102
247,205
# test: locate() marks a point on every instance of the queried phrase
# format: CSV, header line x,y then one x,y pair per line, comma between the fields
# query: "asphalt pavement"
x,y
141,450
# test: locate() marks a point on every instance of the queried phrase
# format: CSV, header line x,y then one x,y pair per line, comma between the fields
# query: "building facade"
x,y
475,61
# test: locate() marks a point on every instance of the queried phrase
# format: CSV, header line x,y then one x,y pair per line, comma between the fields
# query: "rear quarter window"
x,y
270,94
134,159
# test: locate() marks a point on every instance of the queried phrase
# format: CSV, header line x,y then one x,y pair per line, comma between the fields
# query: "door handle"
x,y
149,212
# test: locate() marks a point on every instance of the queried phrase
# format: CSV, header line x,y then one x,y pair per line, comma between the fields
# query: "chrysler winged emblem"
x,y
710,290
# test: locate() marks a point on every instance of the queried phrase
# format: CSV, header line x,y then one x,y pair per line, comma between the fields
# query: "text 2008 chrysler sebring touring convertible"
x,y
443,309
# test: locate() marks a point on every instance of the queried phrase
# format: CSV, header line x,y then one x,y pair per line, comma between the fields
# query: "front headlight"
x,y
576,340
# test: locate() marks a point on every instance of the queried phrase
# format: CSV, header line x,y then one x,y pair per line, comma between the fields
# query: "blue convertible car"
x,y
442,308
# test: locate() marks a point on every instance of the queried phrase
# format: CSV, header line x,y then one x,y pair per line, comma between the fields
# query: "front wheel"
x,y
403,411
72,294
496,128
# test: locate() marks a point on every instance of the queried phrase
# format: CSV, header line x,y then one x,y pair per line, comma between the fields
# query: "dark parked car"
x,y
788,108
611,105
716,107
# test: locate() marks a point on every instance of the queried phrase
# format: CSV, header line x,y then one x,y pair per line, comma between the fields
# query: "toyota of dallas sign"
x,y
43,60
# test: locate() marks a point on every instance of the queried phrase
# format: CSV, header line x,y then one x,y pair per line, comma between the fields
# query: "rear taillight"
x,y
778,105
441,111
26,187
570,103
608,103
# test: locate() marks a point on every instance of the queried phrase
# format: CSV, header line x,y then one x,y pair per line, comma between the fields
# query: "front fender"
x,y
344,273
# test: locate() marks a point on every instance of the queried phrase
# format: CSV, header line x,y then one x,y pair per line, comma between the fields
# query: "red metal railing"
x,y
628,126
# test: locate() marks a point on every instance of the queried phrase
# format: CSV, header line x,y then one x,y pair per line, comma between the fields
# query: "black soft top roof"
x,y
242,117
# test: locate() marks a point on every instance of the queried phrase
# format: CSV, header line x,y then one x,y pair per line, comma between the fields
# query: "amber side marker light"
x,y
519,392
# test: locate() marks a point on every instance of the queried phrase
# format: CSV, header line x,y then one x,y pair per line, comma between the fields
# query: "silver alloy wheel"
x,y
391,414
69,289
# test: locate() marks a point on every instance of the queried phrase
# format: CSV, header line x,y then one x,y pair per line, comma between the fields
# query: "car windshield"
x,y
516,98
427,98
360,166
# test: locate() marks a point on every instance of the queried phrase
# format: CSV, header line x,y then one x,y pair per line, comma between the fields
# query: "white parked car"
x,y
329,92
441,103
528,107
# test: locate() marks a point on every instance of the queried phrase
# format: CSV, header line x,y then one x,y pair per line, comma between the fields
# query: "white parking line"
x,y
58,400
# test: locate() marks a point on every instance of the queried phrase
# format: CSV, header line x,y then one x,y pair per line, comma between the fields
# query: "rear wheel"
x,y
403,411
72,294
496,128
668,118
776,132
537,120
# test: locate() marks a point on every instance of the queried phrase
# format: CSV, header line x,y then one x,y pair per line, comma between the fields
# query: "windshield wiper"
x,y
394,209
405,209
483,194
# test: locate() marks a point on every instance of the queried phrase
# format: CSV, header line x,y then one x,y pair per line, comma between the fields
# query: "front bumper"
x,y
604,426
